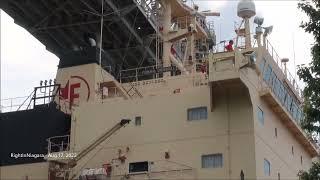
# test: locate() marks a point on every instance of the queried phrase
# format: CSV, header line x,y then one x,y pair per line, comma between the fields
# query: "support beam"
x,y
129,27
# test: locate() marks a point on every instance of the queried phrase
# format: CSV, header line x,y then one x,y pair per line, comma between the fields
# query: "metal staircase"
x,y
150,9
131,90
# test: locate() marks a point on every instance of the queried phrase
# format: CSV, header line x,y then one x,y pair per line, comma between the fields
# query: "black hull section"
x,y
25,132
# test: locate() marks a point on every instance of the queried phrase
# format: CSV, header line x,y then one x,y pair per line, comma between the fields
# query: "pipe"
x,y
179,65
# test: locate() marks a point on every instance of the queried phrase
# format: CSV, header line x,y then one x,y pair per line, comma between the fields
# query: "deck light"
x,y
258,20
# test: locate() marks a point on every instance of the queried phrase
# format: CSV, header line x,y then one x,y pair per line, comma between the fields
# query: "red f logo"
x,y
69,91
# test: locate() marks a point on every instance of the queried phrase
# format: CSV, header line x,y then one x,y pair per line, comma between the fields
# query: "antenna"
x,y
101,33
294,57
246,10
0,65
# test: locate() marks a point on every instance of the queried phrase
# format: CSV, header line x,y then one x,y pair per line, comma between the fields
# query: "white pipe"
x,y
179,65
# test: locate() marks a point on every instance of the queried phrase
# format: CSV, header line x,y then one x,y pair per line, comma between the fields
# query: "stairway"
x,y
149,9
131,90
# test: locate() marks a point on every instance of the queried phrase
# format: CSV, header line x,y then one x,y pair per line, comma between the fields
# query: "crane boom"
x,y
72,163
101,139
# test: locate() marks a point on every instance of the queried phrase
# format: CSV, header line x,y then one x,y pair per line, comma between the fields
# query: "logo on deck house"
x,y
70,93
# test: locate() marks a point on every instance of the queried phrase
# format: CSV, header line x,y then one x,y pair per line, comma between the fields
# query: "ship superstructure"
x,y
198,110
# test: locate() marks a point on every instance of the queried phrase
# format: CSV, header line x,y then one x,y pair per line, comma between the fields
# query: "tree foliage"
x,y
312,174
310,73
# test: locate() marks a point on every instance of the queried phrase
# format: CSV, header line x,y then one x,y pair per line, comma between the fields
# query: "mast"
x,y
0,65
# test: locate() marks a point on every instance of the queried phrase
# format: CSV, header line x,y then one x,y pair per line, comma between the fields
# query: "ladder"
x,y
149,9
132,90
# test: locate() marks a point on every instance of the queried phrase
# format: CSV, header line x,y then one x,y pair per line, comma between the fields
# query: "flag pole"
x,y
0,66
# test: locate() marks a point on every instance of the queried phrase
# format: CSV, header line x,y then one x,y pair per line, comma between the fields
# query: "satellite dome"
x,y
246,9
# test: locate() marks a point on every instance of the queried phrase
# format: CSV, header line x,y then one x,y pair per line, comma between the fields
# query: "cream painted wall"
x,y
165,128
277,150
35,171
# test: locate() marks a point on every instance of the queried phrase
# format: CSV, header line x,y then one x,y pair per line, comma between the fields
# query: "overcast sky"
x,y
25,60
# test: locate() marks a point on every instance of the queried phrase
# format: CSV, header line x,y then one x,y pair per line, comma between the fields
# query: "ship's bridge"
x,y
260,68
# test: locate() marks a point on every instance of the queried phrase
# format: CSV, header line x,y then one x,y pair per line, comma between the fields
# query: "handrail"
x,y
14,104
58,141
285,72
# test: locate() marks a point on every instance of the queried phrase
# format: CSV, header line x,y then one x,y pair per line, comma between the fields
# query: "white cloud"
x,y
25,61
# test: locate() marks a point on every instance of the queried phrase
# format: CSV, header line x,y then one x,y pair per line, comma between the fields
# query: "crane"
x,y
72,163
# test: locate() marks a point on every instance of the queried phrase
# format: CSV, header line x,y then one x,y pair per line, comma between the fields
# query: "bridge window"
x,y
267,74
288,102
262,65
292,150
282,93
212,161
137,167
267,167
260,116
198,113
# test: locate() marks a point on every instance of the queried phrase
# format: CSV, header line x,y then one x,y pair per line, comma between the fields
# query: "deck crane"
x,y
73,162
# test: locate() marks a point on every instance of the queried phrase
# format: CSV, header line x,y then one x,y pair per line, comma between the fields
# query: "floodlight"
x,y
258,20
285,60
268,30
259,30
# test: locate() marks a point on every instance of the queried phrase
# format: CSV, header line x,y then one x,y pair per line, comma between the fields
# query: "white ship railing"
x,y
13,104
58,144
162,169
286,73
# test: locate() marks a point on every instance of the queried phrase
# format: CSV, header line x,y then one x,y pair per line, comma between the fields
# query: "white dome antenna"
x,y
246,9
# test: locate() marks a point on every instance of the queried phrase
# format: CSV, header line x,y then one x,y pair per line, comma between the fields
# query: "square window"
x,y
260,116
137,167
267,167
267,74
198,113
212,161
138,120
292,150
262,65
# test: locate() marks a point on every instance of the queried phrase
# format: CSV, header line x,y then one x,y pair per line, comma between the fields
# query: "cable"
x,y
101,33
134,23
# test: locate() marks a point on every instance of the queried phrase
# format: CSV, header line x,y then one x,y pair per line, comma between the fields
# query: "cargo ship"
x,y
144,91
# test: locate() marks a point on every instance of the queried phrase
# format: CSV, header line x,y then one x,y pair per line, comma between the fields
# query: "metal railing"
x,y
162,169
41,95
285,72
13,104
144,73
58,144
182,22
110,92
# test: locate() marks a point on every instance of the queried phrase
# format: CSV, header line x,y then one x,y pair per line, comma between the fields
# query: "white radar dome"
x,y
246,9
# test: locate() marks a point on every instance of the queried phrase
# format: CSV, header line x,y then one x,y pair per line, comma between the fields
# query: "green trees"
x,y
310,74
312,174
